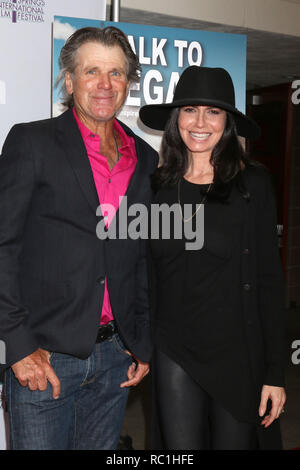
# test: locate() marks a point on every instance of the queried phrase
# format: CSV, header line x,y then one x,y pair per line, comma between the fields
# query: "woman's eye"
x,y
188,110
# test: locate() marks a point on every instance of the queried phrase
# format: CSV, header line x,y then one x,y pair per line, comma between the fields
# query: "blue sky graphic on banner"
x,y
163,53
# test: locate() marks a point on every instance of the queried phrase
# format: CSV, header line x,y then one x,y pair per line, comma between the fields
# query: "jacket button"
x,y
246,287
246,251
101,280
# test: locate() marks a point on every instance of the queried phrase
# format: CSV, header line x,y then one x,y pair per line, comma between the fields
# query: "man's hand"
x,y
278,398
34,370
136,373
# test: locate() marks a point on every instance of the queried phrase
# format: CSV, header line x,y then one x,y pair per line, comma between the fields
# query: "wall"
x,y
25,56
279,16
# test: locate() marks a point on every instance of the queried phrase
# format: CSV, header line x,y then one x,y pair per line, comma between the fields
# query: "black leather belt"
x,y
106,331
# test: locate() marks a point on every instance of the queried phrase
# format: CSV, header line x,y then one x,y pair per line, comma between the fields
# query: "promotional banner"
x,y
25,72
25,55
163,53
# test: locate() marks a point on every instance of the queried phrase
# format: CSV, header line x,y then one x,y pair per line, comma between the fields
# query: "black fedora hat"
x,y
201,86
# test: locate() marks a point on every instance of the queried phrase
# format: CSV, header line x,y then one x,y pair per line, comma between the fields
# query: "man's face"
x,y
99,83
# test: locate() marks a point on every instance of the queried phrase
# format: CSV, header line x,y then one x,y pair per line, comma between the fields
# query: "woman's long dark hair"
x,y
228,157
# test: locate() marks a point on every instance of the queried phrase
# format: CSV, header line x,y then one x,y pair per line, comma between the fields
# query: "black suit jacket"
x,y
52,265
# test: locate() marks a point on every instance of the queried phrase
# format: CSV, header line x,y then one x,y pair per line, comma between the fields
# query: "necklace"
x,y
116,145
201,203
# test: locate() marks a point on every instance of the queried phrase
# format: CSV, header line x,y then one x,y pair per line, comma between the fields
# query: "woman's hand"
x,y
278,398
136,372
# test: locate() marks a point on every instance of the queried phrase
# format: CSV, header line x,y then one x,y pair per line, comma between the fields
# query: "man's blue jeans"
x,y
89,411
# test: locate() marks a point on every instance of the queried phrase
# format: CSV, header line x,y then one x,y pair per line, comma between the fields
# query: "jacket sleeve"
x,y
142,301
17,182
270,287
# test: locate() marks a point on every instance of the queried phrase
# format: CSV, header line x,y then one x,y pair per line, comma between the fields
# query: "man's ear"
x,y
69,83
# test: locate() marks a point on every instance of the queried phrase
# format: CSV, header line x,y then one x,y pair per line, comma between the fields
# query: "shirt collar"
x,y
87,134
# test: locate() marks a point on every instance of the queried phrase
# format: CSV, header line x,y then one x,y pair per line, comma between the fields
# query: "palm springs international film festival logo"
x,y
30,11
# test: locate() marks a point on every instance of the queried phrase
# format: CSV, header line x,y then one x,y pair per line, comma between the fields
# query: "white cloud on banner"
x,y
62,30
58,108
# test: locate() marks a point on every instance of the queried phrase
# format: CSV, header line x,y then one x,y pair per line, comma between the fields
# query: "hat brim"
x,y
156,116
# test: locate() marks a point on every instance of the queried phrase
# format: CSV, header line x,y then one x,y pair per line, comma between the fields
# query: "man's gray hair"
x,y
109,37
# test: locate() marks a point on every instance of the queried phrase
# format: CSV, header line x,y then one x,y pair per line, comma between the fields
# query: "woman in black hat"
x,y
217,311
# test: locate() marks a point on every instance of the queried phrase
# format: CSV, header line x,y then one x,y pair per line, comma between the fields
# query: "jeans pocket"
x,y
120,346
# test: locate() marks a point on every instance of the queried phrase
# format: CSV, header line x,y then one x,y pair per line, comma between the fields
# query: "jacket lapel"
x,y
70,140
136,187
137,191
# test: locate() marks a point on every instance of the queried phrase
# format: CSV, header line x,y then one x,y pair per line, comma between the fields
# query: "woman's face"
x,y
201,128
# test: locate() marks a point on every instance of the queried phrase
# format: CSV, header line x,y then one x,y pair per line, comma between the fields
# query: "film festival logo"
x,y
30,11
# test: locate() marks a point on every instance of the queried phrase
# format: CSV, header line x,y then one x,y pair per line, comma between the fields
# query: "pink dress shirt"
x,y
110,184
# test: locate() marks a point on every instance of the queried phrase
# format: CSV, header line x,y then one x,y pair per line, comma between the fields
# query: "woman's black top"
x,y
197,316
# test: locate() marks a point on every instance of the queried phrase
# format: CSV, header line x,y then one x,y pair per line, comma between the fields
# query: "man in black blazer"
x,y
73,307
